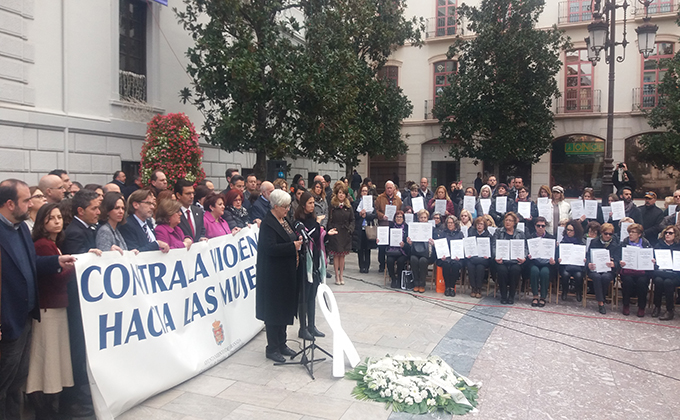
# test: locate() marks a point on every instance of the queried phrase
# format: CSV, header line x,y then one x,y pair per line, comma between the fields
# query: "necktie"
x,y
146,231
191,225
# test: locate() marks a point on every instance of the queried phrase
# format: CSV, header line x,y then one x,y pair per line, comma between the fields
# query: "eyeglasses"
x,y
41,196
151,203
606,233
540,226
670,232
569,230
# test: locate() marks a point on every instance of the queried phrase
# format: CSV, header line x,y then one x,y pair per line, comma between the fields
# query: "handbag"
x,y
407,280
371,232
420,249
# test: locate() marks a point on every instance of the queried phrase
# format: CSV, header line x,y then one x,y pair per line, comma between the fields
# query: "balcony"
x,y
429,105
657,8
443,26
570,103
574,12
646,99
131,87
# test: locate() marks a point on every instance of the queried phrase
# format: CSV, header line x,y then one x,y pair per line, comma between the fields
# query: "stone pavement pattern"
x,y
527,372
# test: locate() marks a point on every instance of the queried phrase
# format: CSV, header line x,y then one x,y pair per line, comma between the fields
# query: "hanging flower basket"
x,y
171,146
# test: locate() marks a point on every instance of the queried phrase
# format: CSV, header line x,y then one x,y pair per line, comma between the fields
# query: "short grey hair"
x,y
279,198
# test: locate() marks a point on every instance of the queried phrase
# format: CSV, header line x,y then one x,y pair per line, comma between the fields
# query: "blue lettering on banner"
x,y
125,281
156,277
85,283
178,275
136,326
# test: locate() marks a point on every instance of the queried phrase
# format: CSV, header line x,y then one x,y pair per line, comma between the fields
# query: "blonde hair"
x,y
423,211
668,201
489,220
446,193
465,211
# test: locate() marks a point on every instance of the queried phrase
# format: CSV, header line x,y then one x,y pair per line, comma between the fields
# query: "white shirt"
x,y
143,224
191,215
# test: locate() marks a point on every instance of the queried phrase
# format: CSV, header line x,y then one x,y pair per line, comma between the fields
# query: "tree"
x,y
662,150
291,78
497,106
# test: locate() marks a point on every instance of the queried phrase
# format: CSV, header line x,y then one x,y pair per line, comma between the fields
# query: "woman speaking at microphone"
x,y
277,291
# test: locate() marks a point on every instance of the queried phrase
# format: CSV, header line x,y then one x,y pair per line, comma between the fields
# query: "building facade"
x,y
79,79
577,157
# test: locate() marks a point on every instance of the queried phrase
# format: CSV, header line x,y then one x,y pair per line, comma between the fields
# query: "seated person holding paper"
x,y
634,282
540,268
511,206
472,192
589,194
523,196
477,265
465,220
400,254
389,197
508,271
573,234
360,243
607,240
451,266
666,280
422,255
441,194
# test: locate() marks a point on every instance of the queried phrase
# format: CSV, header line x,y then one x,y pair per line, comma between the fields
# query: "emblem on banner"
x,y
218,332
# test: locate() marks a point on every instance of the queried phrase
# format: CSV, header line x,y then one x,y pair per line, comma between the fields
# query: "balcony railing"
x,y
574,12
571,105
429,104
657,7
644,100
442,26
131,86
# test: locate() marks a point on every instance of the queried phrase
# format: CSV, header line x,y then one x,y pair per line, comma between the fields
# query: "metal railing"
x,y
436,27
575,104
131,86
573,12
646,100
656,8
429,105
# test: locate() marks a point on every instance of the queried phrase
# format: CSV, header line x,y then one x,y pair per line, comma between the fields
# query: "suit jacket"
x,y
259,209
199,226
134,235
79,238
15,280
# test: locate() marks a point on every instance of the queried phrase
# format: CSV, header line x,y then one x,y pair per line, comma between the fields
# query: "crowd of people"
x,y
42,343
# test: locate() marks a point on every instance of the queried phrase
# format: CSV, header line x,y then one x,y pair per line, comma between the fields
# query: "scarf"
x,y
241,213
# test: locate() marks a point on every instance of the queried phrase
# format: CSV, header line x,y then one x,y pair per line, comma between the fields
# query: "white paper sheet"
x,y
383,237
676,260
484,247
517,249
465,231
408,218
571,254
588,241
432,223
524,208
520,226
396,237
664,259
457,249
440,207
590,209
605,213
501,204
469,203
534,246
390,211
600,257
624,230
420,232
618,210
486,204
441,246
671,208
470,245
502,250
548,250
367,203
417,204
629,256
543,205
645,257
577,209
492,230
560,233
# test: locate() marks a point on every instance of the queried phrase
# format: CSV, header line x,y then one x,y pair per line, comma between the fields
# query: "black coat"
x,y
652,216
259,209
342,219
79,239
134,235
199,227
277,287
358,225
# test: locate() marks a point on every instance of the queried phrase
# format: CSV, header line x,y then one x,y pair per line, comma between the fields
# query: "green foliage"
x,y
498,105
286,78
662,150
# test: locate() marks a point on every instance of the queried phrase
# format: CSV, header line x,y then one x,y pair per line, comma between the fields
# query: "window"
x,y
446,17
660,6
579,11
653,70
390,74
579,83
132,50
577,162
649,178
442,71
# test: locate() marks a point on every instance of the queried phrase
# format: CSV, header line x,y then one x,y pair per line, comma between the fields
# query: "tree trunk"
x,y
260,167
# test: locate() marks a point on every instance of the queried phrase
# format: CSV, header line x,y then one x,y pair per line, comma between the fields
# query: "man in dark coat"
x,y
119,178
191,221
20,303
652,216
276,300
260,207
631,209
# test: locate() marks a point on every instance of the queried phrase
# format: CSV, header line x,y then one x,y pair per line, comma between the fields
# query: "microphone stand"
x,y
307,362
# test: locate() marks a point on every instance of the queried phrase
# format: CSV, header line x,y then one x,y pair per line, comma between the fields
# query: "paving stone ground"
x,y
557,362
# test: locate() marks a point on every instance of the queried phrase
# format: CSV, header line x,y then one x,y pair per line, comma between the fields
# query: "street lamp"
x,y
602,37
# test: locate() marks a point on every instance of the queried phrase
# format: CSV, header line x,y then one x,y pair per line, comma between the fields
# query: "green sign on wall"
x,y
584,148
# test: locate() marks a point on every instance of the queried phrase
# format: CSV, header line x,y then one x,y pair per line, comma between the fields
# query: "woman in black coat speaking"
x,y
277,291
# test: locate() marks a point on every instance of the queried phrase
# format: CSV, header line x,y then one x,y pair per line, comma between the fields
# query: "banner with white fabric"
x,y
154,320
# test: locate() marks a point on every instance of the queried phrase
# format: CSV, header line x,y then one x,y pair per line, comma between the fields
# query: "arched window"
x,y
442,71
577,162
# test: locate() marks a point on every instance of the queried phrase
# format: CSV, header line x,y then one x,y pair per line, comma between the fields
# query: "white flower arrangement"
x,y
414,385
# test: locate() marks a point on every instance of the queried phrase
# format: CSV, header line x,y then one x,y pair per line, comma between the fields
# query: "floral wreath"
x,y
414,385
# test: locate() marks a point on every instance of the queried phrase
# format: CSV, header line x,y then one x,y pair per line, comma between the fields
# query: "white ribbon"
x,y
342,345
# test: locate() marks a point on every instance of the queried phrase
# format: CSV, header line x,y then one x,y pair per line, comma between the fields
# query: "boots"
x,y
311,323
667,316
395,283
